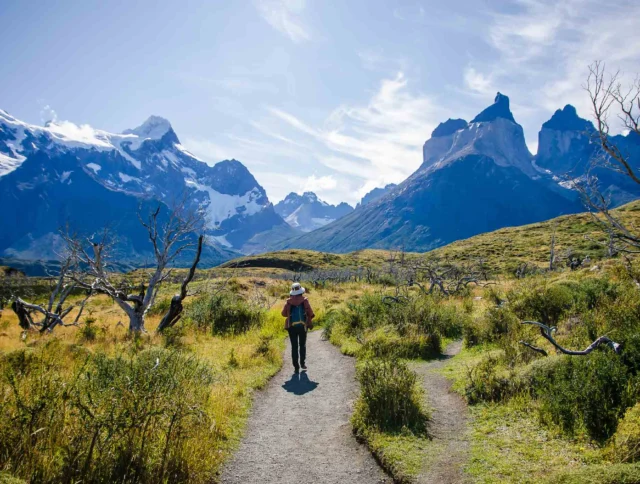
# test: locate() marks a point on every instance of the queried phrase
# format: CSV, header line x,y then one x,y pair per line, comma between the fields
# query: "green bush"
x,y
225,313
390,398
488,381
588,392
625,443
543,302
387,342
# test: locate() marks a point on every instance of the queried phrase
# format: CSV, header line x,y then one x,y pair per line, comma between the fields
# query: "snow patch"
x,y
126,178
95,167
222,206
9,164
65,175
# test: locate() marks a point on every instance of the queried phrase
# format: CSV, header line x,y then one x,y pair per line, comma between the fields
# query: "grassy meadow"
x,y
93,403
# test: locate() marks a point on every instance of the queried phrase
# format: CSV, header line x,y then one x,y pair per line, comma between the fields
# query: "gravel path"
x,y
450,422
299,430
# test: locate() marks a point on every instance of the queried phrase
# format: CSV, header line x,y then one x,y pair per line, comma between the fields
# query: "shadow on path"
x,y
299,384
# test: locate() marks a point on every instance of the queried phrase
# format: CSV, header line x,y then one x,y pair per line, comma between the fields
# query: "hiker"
x,y
299,316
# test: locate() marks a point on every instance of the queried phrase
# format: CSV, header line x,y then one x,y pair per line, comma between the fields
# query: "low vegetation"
x,y
95,403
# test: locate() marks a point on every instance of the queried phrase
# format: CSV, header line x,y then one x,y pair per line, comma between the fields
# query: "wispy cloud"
x,y
378,142
545,46
285,17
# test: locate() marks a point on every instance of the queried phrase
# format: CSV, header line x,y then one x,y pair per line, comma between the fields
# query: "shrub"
x,y
386,342
588,392
98,418
225,313
88,331
390,398
488,381
546,303
625,443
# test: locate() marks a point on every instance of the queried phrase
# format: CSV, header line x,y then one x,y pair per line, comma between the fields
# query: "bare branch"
x,y
547,332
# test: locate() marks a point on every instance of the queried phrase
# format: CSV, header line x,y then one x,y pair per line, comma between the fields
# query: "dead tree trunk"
x,y
174,313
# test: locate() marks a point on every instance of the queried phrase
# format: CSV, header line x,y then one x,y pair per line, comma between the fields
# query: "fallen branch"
x,y
547,333
542,351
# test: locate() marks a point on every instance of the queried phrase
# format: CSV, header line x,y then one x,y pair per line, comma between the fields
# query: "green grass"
x,y
402,456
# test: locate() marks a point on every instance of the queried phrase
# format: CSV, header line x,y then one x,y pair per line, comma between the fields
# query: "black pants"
x,y
298,338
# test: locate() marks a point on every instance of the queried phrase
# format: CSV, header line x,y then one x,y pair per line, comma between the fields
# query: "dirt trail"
x,y
299,430
450,423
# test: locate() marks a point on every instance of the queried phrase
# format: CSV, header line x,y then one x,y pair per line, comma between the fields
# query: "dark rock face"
x,y
499,109
568,146
449,127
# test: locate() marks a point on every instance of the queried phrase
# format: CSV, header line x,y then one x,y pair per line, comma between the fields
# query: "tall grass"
x,y
128,418
390,400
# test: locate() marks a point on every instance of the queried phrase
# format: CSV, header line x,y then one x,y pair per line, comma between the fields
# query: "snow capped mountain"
x,y
475,177
307,212
143,164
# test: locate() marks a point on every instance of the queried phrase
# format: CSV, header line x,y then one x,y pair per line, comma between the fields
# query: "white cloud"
x,y
47,113
478,82
320,184
284,16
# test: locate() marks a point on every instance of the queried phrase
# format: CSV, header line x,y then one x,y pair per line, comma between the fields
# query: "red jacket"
x,y
296,301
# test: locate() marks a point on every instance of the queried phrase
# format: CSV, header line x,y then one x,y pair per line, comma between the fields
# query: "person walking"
x,y
299,316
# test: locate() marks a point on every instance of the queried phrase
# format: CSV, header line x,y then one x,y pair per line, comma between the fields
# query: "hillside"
x,y
502,250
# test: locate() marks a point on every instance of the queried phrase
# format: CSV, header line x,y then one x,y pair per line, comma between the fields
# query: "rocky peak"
x,y
567,119
154,128
449,127
499,109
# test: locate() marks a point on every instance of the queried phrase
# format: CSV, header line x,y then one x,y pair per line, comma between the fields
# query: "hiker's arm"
x,y
309,311
286,310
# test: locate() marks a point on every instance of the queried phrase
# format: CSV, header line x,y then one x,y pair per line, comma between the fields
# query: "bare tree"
x,y
169,240
57,307
607,94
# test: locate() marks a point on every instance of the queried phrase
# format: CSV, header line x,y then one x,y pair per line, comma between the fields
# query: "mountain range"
x,y
62,174
476,177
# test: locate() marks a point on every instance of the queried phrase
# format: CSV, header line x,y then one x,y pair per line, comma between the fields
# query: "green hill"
x,y
502,250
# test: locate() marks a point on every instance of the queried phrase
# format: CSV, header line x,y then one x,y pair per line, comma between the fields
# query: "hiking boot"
x,y
304,367
296,369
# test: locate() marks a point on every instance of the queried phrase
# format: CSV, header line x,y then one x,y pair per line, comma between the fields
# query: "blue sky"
x,y
334,97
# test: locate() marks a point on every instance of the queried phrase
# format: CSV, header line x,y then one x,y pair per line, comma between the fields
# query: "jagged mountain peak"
x,y
499,109
155,127
307,212
567,119
450,126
